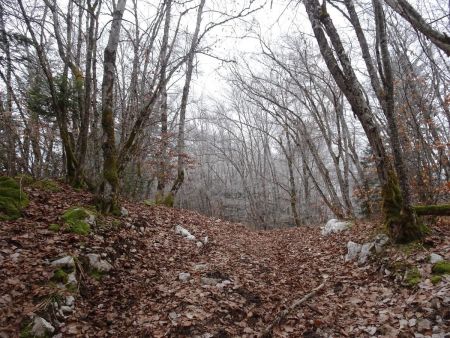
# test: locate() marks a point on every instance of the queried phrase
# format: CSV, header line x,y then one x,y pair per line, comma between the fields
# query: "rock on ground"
x,y
64,262
334,226
353,250
435,258
99,264
184,276
41,327
184,232
361,252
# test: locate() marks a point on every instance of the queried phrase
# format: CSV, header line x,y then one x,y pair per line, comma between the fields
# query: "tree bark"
x,y
403,8
6,114
110,187
184,100
404,227
164,142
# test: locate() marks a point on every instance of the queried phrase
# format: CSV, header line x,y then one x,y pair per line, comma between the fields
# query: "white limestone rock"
x,y
200,267
72,279
353,250
366,250
124,212
184,276
184,232
435,258
66,309
41,327
334,226
64,262
209,281
70,301
99,264
380,242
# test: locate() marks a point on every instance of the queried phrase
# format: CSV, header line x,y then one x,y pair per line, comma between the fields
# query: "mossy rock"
x,y
46,185
78,219
413,277
12,199
441,268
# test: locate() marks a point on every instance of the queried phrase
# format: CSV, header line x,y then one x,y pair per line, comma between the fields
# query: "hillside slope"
x,y
238,282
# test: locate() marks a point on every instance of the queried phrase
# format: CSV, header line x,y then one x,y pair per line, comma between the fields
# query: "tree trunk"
x,y
6,115
164,142
404,226
293,189
184,99
109,201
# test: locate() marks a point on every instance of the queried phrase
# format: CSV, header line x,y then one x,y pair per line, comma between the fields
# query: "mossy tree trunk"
x,y
403,226
109,199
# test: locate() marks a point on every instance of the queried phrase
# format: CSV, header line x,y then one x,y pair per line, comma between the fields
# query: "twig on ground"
x,y
268,331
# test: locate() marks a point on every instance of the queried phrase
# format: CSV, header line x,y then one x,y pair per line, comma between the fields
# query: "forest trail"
x,y
238,282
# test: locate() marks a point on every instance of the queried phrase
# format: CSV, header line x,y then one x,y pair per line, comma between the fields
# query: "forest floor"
x,y
239,282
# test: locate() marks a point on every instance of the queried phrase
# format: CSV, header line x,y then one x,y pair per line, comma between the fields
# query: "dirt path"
x,y
239,281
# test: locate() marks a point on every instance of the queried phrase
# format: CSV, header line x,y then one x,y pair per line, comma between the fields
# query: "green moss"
x,y
441,268
25,331
77,218
75,214
401,223
150,203
167,200
115,210
412,247
430,210
54,227
72,288
96,274
115,224
80,228
24,179
413,277
12,199
436,279
46,185
60,276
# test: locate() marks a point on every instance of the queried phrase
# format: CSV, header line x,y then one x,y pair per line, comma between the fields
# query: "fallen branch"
x,y
268,331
